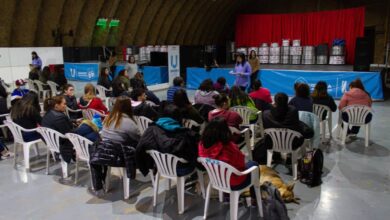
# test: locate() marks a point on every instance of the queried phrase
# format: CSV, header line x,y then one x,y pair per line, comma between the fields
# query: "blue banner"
x,y
155,75
284,80
81,71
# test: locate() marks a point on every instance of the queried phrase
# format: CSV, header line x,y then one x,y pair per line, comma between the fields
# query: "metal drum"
x,y
309,56
322,60
164,49
337,60
296,51
274,51
157,48
296,59
338,51
264,45
142,53
264,51
285,59
264,59
275,45
242,50
285,51
286,43
274,59
296,43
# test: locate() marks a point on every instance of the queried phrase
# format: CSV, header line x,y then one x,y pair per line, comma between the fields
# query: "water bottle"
x,y
97,120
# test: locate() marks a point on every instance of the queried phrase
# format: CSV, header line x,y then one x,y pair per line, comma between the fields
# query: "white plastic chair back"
x,y
39,85
88,113
101,91
244,112
166,163
81,145
143,123
282,139
188,123
219,173
30,84
53,87
246,142
16,130
67,110
320,109
357,114
51,137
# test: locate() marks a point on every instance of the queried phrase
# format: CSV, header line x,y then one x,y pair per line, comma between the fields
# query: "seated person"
x,y
260,92
120,135
240,98
26,113
178,83
167,135
216,143
233,119
205,93
88,130
357,95
120,84
105,80
283,115
19,91
137,82
71,101
44,76
180,99
56,119
89,100
3,103
221,86
141,107
302,100
320,96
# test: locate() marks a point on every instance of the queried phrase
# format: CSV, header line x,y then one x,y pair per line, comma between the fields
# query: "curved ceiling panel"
x,y
158,22
195,25
125,10
70,18
7,9
147,18
135,21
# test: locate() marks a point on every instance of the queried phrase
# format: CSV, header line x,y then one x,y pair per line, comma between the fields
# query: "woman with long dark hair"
x,y
302,100
36,61
242,70
105,78
255,65
26,113
320,96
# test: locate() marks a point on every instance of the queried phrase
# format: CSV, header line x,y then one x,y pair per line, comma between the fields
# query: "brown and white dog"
x,y
286,191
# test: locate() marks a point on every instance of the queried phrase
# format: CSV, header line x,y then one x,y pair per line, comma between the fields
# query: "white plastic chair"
x,y
188,123
245,114
3,126
125,179
101,91
245,142
30,84
52,139
166,166
69,110
143,123
89,112
319,111
53,87
45,92
220,174
16,131
282,141
81,145
357,115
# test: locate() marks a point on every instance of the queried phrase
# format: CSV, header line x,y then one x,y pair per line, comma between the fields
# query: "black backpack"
x,y
310,167
273,205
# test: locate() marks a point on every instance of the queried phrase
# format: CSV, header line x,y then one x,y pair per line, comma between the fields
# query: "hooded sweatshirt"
x,y
203,97
229,154
355,96
233,119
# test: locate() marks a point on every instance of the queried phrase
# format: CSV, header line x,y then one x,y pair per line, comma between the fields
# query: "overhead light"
x,y
101,22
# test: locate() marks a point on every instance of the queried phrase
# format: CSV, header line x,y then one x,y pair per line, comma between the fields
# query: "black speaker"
x,y
158,59
362,54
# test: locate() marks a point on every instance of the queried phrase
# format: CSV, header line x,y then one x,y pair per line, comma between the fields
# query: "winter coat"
x,y
327,101
181,142
262,94
120,85
127,133
105,82
355,96
203,97
144,109
302,104
95,103
229,154
233,119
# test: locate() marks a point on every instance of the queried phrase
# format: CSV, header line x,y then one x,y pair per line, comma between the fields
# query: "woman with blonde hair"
x,y
89,100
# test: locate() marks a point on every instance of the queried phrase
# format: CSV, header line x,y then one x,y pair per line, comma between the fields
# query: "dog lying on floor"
x,y
286,191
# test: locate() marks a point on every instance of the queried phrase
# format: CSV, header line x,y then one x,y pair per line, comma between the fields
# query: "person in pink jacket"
x,y
356,95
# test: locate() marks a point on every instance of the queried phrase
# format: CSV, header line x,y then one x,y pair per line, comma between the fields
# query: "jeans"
x,y
98,173
31,136
184,169
355,129
253,78
248,180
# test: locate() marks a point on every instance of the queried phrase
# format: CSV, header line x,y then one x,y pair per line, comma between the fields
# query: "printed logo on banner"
x,y
343,86
174,65
72,72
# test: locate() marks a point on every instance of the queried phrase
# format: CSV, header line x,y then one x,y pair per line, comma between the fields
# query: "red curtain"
x,y
311,28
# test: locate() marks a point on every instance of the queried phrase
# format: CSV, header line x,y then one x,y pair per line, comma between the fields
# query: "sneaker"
x,y
6,154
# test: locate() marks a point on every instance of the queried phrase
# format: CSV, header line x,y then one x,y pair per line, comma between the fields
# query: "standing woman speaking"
x,y
36,61
242,70
255,65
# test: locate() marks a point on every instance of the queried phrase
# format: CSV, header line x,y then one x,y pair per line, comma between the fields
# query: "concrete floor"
x,y
356,184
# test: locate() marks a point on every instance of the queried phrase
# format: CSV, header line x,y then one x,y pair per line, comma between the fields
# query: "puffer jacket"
x,y
111,154
203,97
355,96
180,142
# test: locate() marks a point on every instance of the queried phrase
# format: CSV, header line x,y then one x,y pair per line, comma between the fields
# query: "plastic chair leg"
x,y
330,127
155,188
234,204
269,158
64,166
126,184
294,161
368,131
345,131
26,154
47,161
180,194
15,155
258,200
76,179
220,195
206,205
323,130
201,183
108,177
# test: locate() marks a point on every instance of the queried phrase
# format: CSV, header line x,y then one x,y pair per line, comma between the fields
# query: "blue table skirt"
x,y
152,74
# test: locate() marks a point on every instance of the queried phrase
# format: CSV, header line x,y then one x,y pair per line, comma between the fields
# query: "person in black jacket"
x,y
167,135
26,113
180,99
105,80
302,100
282,115
320,96
140,106
71,101
56,119
3,102
138,82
